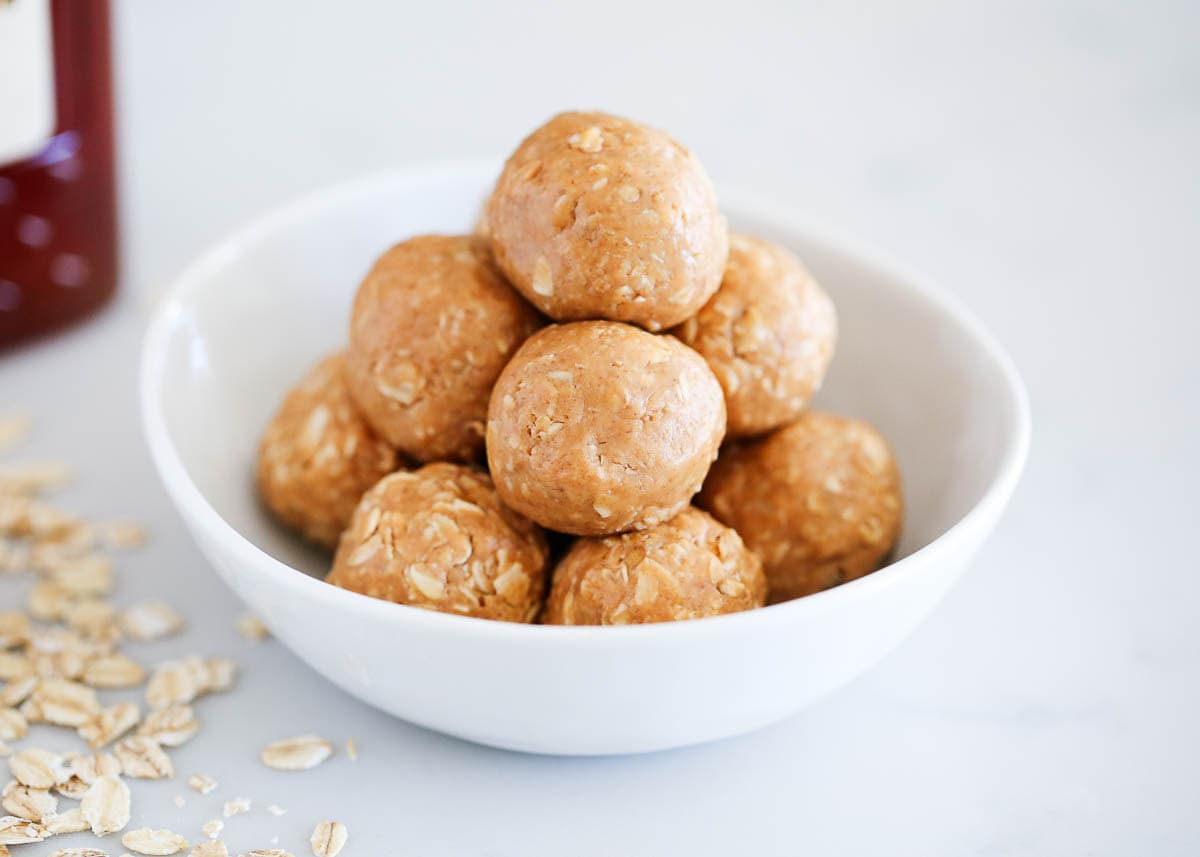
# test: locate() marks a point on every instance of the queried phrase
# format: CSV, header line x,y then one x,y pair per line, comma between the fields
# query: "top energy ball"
x,y
595,216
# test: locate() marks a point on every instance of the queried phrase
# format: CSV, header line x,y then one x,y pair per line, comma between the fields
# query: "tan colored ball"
x,y
768,334
318,455
686,568
595,216
819,501
598,427
439,538
433,324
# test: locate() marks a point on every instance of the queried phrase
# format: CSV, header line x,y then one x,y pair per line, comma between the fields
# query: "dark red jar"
x,y
58,218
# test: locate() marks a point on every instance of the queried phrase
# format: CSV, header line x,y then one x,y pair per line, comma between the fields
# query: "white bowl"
x,y
245,321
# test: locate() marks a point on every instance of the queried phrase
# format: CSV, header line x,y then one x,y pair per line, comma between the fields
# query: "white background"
x,y
1039,158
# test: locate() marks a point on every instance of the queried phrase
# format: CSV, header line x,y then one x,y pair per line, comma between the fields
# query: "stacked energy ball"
x,y
576,367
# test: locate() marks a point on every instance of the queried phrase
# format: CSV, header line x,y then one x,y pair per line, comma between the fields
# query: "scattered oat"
x,y
143,758
71,821
44,523
31,712
221,673
65,703
18,831
328,838
212,829
252,628
88,767
209,849
65,664
296,754
34,478
105,807
351,750
81,576
28,803
170,726
38,768
14,626
176,681
154,842
14,666
94,618
109,724
269,852
18,690
201,783
74,788
50,674
47,601
12,725
151,620
121,534
236,807
113,671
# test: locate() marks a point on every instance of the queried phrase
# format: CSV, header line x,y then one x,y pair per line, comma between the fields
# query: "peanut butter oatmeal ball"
x,y
595,216
818,500
317,455
768,334
686,568
597,427
440,538
433,324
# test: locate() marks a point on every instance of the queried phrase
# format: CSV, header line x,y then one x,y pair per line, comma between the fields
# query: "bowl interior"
x,y
252,316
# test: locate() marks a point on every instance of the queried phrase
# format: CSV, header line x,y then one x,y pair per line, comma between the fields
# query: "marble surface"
x,y
1038,158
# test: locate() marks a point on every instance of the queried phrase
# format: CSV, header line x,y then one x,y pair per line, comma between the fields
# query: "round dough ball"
x,y
597,427
433,324
439,538
595,216
768,334
687,568
317,455
818,500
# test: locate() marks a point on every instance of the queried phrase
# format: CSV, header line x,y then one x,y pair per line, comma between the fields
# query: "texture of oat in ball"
x,y
819,501
318,455
686,568
434,322
595,216
768,335
440,538
598,427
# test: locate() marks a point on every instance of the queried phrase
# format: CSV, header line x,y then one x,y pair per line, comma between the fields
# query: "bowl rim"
x,y
192,504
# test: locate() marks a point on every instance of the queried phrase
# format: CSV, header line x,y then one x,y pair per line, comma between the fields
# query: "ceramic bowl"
x,y
244,322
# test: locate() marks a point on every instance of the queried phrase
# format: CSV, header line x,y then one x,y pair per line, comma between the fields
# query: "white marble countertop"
x,y
1038,158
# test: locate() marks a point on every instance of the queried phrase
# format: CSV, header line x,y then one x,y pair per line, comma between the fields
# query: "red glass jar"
x,y
58,219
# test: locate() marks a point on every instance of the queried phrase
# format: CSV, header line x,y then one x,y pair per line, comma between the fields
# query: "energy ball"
x,y
595,216
819,501
440,538
686,568
597,427
317,455
433,324
768,335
